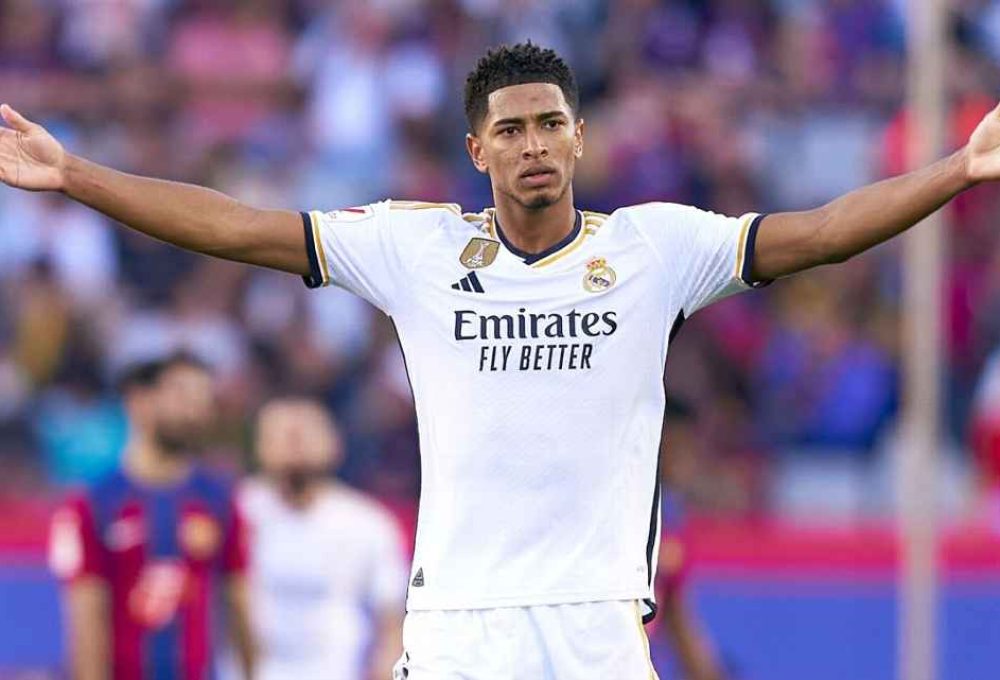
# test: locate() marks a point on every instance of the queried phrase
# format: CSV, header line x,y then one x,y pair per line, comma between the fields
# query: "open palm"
x,y
984,149
30,158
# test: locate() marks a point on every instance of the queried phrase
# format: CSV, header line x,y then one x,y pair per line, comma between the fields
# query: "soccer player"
x,y
328,576
535,335
141,552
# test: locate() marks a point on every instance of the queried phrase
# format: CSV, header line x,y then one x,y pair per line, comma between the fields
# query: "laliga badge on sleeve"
x,y
479,253
599,277
356,214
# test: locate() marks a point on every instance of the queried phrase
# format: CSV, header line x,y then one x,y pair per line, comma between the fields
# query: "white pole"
x,y
922,363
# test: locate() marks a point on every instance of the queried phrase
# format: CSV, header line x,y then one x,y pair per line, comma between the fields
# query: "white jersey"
x,y
538,385
316,577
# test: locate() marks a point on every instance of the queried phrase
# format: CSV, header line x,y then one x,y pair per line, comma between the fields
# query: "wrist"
x,y
69,174
960,163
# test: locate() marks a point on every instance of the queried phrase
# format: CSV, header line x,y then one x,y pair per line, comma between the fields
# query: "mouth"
x,y
538,176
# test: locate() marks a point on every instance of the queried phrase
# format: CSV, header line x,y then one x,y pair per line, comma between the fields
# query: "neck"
x,y
535,229
308,497
146,462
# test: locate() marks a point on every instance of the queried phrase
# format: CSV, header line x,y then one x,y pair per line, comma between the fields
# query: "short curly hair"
x,y
516,65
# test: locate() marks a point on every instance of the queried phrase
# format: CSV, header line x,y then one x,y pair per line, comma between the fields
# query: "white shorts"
x,y
585,641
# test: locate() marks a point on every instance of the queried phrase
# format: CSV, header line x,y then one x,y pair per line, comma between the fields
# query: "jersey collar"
x,y
532,258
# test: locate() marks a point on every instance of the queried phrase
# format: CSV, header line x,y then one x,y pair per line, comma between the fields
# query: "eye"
x,y
553,124
509,131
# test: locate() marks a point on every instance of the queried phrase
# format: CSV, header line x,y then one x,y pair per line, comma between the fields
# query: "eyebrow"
x,y
519,120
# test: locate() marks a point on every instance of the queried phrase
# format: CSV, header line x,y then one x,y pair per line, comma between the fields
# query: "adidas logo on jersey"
x,y
418,580
470,284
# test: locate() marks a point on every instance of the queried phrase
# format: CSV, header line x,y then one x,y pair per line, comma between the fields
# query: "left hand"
x,y
983,150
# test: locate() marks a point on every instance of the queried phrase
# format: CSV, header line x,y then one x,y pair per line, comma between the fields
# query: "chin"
x,y
182,443
539,200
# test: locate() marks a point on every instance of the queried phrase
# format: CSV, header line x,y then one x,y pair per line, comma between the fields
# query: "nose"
x,y
534,146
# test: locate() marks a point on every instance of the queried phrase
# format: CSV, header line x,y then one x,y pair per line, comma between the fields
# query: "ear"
x,y
475,149
578,138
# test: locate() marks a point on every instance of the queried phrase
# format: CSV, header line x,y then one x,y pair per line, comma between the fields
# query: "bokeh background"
x,y
732,105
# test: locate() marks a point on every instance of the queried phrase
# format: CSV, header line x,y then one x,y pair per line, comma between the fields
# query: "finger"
x,y
15,119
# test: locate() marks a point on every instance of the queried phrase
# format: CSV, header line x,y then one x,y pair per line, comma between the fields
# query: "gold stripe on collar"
x,y
585,231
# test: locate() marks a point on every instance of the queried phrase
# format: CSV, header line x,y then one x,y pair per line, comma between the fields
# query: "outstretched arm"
x,y
793,241
185,215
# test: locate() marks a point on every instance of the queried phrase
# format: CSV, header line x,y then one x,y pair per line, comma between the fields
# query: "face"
x,y
528,144
182,408
297,443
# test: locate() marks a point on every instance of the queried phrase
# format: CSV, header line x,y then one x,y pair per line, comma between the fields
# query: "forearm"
x,y
89,654
856,221
247,654
241,630
188,216
87,623
388,646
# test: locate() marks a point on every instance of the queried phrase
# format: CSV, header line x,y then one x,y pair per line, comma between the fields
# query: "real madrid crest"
x,y
599,277
479,253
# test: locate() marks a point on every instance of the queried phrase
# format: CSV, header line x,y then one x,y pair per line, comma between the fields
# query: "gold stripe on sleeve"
x,y
741,251
318,242
422,205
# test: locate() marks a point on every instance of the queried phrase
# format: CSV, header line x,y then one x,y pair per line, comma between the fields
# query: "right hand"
x,y
30,158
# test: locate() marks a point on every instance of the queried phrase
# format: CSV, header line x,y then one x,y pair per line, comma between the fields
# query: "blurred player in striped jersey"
x,y
535,335
143,552
328,574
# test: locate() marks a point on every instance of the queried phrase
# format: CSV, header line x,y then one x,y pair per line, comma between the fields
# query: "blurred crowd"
x,y
732,105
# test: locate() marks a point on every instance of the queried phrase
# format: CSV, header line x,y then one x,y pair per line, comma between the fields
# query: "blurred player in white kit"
x,y
328,572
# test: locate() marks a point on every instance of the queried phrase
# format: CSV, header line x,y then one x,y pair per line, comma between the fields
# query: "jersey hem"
x,y
532,601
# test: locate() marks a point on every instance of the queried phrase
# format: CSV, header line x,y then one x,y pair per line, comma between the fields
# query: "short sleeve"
x,y
387,587
709,256
75,550
369,250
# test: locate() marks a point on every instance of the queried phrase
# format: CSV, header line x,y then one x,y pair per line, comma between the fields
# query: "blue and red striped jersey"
x,y
162,551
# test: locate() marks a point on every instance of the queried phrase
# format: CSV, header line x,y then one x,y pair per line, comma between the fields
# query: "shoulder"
x,y
419,215
410,225
105,492
255,497
658,213
362,508
215,487
675,229
423,207
390,212
77,502
433,227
